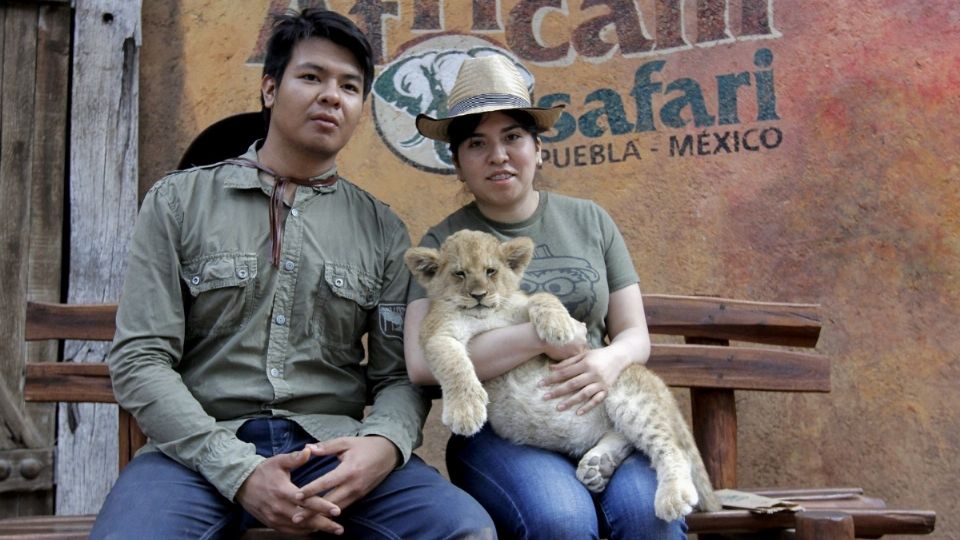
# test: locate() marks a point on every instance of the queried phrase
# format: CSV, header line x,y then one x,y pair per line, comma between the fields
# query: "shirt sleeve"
x,y
148,347
398,409
620,270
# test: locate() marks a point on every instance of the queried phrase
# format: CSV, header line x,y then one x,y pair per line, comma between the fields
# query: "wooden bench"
x,y
705,363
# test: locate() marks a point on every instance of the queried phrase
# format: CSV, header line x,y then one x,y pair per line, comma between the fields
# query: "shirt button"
x,y
338,282
195,280
274,372
242,273
294,212
289,266
280,319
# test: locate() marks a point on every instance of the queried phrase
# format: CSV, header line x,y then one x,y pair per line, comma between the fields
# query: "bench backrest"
x,y
706,362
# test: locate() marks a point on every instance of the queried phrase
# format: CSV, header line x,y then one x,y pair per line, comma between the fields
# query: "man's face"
x,y
319,101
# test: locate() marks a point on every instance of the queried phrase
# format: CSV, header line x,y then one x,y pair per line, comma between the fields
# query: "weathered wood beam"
x,y
18,66
103,206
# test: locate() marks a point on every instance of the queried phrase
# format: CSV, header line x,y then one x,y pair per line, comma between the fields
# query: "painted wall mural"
x,y
418,76
777,150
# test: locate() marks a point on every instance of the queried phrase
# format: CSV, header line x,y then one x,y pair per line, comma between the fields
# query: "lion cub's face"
x,y
471,270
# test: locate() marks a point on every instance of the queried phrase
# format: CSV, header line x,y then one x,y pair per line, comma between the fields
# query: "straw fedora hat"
x,y
486,84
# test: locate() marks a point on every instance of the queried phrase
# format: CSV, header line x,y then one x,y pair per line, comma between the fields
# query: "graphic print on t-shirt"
x,y
569,278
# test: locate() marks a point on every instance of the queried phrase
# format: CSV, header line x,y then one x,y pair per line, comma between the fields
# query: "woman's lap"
x,y
534,493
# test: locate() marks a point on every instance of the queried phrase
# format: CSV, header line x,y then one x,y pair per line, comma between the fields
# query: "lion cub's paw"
x,y
555,326
595,469
465,410
675,499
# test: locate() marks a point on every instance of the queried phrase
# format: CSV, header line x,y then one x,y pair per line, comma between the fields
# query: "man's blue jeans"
x,y
155,497
534,493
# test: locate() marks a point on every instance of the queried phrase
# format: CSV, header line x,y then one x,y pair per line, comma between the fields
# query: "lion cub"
x,y
472,283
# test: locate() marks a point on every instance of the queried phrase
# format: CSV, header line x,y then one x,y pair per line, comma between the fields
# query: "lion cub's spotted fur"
x,y
472,282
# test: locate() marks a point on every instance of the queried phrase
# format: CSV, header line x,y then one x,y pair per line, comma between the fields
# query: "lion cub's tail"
x,y
709,502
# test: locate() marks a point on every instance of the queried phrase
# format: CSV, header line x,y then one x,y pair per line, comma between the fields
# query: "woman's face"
x,y
497,163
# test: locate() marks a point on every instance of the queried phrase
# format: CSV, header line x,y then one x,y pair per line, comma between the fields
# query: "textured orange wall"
x,y
856,206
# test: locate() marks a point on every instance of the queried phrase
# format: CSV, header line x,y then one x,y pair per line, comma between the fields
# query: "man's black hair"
x,y
460,129
291,27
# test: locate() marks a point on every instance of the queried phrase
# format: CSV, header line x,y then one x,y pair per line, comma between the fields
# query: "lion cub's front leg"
x,y
550,319
464,399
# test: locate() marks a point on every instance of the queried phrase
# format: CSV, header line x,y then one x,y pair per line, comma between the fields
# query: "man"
x,y
249,286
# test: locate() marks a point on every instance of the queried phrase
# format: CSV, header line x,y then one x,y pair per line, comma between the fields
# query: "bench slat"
x,y
70,382
94,322
740,368
695,366
706,317
772,323
867,522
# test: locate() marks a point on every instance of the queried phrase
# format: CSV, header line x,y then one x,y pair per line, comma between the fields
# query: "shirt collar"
x,y
249,178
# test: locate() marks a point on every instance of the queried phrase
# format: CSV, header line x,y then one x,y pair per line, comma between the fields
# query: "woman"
x,y
493,132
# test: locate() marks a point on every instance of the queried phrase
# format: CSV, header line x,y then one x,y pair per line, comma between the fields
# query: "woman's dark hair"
x,y
460,129
291,28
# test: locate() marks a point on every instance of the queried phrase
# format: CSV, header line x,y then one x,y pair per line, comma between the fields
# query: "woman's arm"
x,y
493,353
588,376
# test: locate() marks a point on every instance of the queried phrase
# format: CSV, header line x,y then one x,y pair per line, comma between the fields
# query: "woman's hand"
x,y
586,378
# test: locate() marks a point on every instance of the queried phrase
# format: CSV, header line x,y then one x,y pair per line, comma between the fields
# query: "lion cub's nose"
x,y
478,296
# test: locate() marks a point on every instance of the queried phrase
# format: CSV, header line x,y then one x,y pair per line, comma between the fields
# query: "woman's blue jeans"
x,y
534,493
157,498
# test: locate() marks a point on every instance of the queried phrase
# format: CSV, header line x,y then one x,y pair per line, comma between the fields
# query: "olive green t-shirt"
x,y
580,255
210,333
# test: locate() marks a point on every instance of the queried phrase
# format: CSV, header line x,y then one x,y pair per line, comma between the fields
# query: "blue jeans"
x,y
534,493
157,498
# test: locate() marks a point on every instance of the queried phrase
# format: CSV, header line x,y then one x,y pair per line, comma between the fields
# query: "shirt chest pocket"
x,y
222,290
344,296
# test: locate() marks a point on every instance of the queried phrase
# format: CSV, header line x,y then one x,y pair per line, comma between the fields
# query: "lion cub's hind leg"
x,y
550,319
642,408
596,467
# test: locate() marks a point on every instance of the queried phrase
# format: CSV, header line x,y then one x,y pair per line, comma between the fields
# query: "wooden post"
x,y
47,198
715,427
18,40
716,433
34,67
824,525
130,438
103,206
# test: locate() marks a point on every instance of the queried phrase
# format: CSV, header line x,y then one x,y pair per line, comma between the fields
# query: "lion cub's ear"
x,y
517,253
423,262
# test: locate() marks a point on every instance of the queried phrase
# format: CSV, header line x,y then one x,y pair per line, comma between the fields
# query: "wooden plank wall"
x,y
34,69
37,132
103,203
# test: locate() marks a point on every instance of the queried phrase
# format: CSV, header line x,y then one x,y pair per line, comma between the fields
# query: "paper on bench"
x,y
757,504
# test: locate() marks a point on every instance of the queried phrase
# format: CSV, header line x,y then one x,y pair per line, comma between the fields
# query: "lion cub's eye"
x,y
460,274
491,272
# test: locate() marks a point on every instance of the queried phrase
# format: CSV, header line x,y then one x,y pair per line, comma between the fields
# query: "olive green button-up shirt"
x,y
210,334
